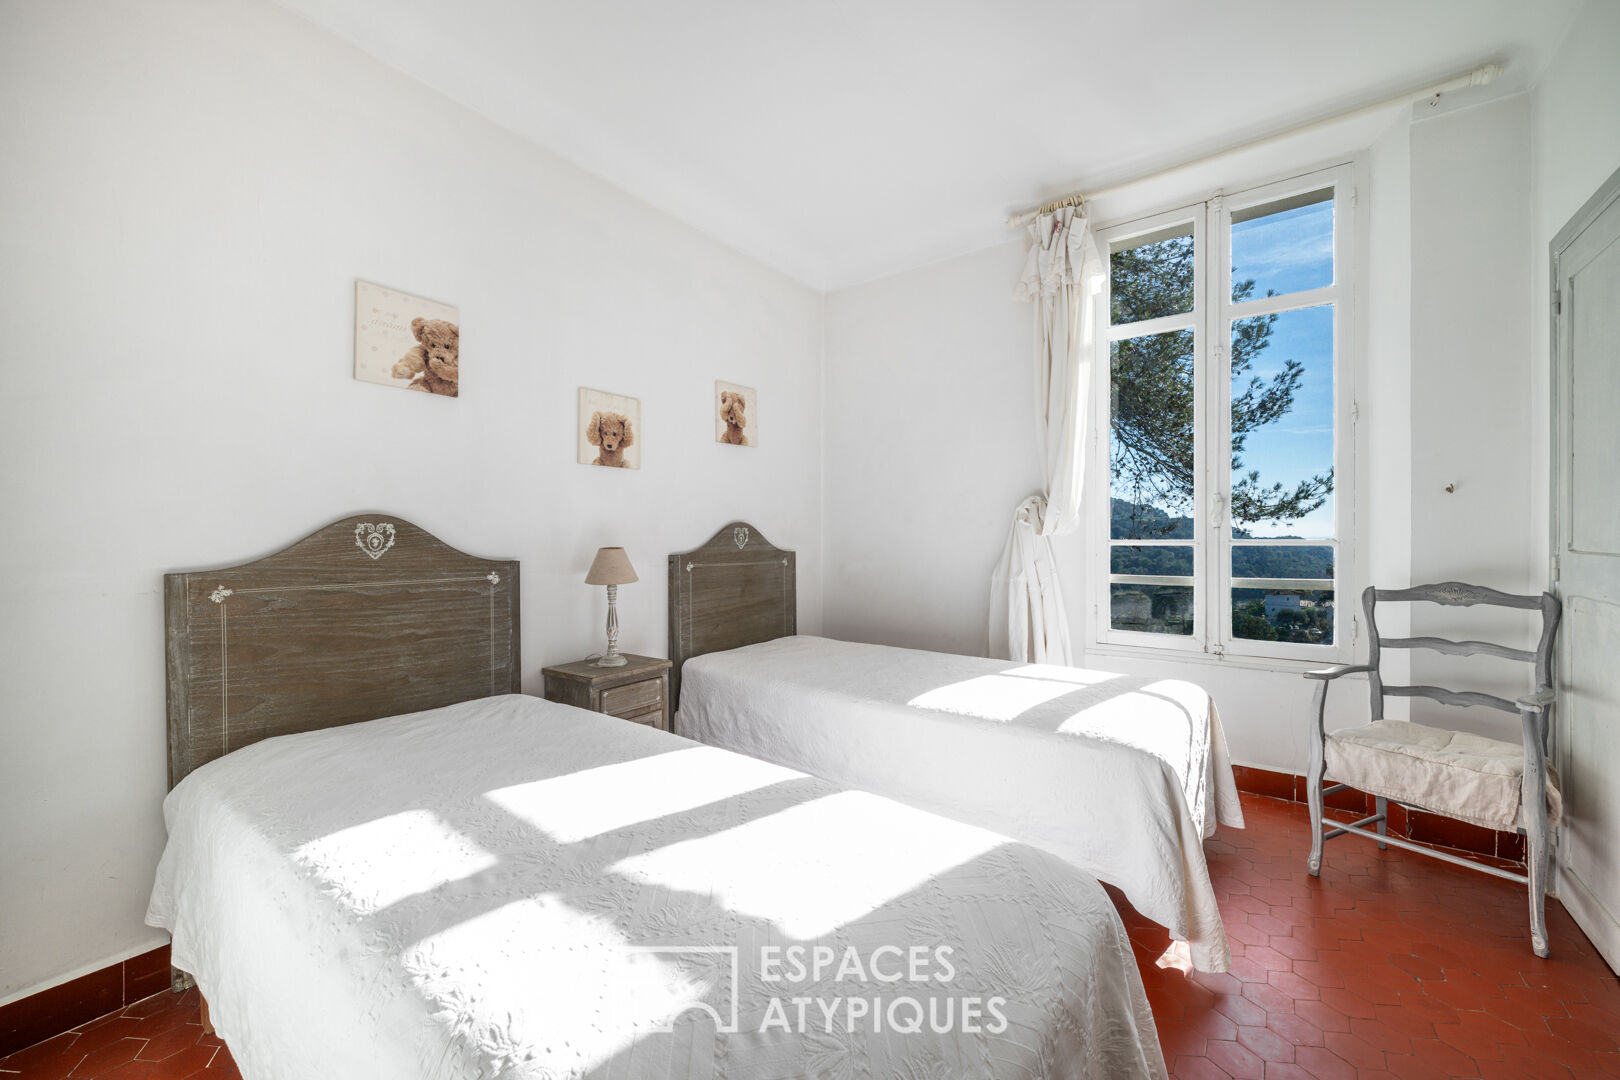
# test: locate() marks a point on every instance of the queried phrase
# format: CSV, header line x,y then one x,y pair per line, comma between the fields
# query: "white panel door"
x,y
1586,545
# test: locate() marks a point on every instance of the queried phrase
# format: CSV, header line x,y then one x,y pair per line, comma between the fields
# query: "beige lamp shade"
x,y
611,567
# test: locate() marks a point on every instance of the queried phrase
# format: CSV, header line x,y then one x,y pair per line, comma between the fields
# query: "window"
x,y
1226,413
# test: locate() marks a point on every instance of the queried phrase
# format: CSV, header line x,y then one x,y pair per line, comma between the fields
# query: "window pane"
x,y
1152,276
1153,559
1150,443
1298,615
1151,609
1281,561
1282,247
1282,425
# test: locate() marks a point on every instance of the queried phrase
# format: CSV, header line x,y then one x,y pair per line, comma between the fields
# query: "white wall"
x,y
928,449
190,188
1471,427
1387,388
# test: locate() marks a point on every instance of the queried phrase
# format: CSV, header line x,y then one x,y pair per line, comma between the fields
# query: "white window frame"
x,y
1211,321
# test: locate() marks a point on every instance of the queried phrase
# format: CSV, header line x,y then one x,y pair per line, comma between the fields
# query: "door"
x,y
1586,560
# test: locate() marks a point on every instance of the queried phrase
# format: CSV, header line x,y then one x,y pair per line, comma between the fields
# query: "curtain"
x,y
1063,273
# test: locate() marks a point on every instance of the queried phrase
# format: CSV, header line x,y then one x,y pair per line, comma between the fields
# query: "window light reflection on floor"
x,y
1178,956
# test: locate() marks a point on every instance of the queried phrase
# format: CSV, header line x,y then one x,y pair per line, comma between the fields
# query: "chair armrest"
x,y
1537,701
1328,674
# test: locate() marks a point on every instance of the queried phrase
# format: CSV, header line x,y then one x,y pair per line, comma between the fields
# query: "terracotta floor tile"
x,y
1322,1015
1324,1064
1354,1049
1297,1029
1389,965
100,1062
1236,1060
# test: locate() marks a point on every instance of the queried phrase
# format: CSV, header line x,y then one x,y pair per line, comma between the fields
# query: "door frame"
x,y
1600,925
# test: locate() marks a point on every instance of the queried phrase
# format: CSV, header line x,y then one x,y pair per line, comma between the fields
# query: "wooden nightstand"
x,y
638,691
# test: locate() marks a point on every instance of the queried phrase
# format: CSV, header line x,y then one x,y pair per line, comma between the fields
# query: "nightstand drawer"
x,y
653,717
634,698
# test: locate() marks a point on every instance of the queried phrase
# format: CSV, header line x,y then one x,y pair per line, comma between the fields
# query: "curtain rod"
x,y
1480,76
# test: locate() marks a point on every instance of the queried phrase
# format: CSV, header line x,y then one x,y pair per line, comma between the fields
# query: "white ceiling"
x,y
842,140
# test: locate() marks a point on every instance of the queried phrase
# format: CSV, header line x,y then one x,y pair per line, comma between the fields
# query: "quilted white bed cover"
x,y
515,888
1124,776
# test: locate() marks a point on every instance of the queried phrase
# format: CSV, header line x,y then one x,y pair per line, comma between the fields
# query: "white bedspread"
x,y
470,892
1121,775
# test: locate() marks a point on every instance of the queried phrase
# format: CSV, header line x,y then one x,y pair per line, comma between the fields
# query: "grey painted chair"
x,y
1534,711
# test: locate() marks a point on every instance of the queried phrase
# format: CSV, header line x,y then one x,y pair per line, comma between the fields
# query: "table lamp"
x,y
611,568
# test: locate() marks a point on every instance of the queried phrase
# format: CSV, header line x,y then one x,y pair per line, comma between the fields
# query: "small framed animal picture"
x,y
609,430
736,414
406,341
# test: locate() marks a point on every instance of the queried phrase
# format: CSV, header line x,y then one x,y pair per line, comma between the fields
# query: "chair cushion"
x,y
1454,773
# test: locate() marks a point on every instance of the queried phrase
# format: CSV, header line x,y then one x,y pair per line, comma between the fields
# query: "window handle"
x,y
1217,513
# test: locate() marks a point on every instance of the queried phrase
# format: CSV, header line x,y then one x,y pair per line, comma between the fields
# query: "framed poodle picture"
x,y
609,430
406,341
736,414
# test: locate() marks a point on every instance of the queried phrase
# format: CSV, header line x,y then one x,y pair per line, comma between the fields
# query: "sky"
x,y
1290,252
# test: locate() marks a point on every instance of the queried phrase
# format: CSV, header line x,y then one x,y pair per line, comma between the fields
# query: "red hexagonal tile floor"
x,y
1389,965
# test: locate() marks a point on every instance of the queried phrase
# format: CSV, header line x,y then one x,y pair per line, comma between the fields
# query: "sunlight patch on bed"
x,y
381,862
1055,673
1147,716
590,802
799,868
563,987
1008,694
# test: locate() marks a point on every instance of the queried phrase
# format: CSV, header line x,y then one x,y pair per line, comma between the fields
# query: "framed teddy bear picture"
x,y
736,414
609,430
406,341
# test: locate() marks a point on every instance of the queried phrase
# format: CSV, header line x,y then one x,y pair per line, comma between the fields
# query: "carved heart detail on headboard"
x,y
739,536
374,540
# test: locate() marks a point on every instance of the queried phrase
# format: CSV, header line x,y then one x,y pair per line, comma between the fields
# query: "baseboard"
x,y
1418,825
52,1011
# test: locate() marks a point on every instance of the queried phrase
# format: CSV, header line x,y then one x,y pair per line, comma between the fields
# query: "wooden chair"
x,y
1489,782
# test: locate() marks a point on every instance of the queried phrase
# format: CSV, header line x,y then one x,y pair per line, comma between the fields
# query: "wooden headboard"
x,y
368,617
737,589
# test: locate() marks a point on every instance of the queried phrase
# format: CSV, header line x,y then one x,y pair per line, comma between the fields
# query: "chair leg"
x,y
1313,778
1536,852
1313,798
1383,820
1537,832
1537,849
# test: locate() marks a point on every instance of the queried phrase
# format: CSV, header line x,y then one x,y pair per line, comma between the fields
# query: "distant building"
x,y
1130,608
1276,602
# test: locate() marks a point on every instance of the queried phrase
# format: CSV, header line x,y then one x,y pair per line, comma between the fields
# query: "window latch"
x,y
1217,513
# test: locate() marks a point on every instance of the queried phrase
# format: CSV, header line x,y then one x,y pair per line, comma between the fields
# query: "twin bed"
x,y
482,884
1121,776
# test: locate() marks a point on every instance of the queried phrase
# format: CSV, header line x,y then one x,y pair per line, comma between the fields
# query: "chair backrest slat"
x,y
1460,648
1453,697
1458,594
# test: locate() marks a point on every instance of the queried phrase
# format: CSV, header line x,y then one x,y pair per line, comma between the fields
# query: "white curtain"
x,y
1063,274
